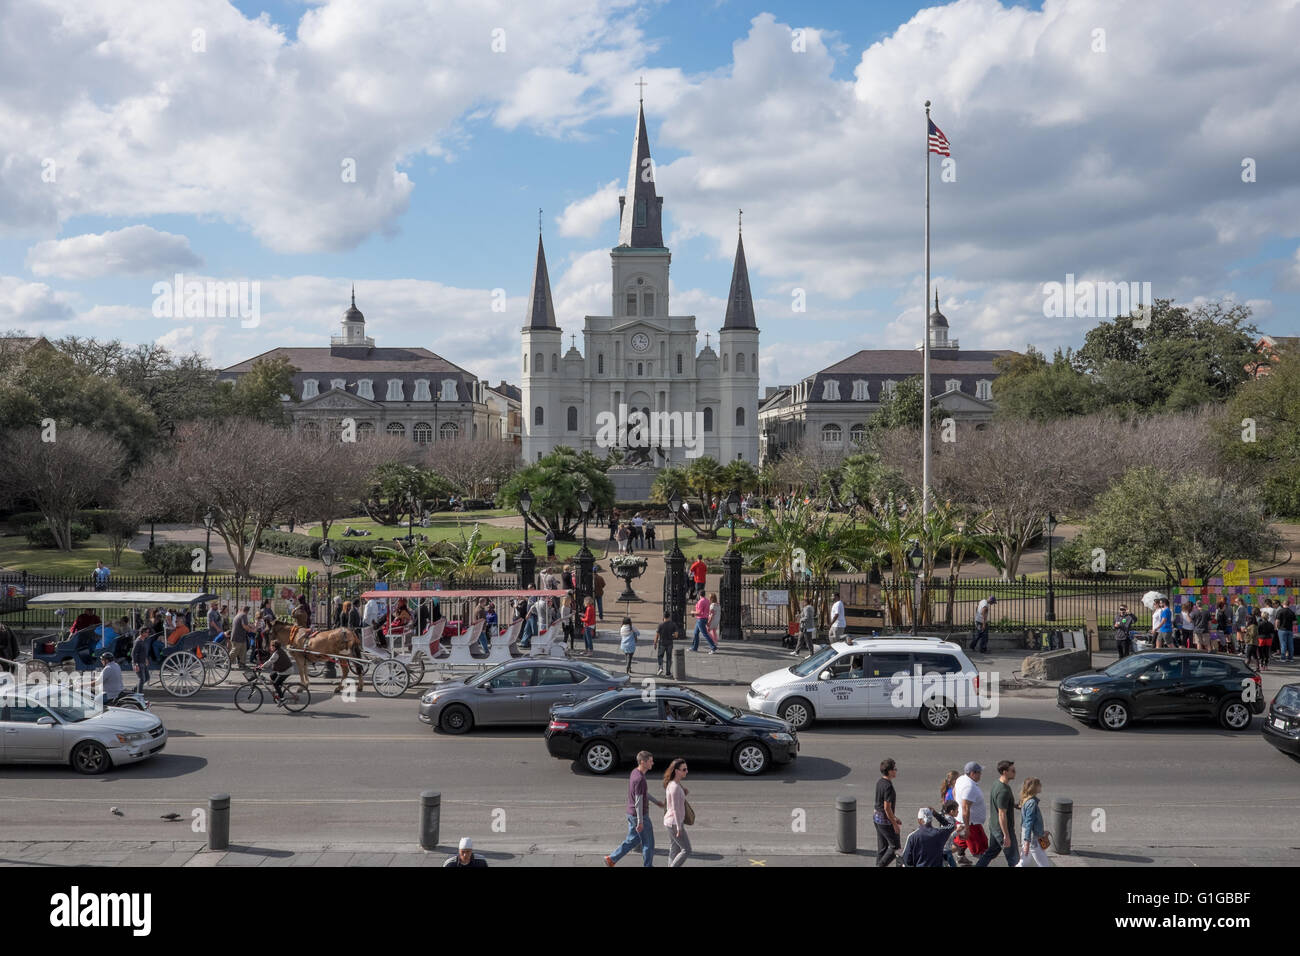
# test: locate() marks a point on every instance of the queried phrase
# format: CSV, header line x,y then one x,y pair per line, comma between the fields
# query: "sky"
x,y
407,146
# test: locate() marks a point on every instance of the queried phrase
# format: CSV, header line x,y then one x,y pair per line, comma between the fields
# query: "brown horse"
x,y
338,642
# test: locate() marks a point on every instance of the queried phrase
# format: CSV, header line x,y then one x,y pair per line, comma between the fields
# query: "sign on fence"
x,y
1236,574
773,598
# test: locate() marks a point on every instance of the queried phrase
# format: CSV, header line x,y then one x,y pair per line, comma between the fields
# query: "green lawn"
x,y
17,555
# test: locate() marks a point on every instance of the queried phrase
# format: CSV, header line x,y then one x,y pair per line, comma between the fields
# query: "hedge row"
x,y
40,535
97,520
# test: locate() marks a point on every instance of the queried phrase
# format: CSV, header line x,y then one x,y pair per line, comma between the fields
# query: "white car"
x,y
50,723
927,679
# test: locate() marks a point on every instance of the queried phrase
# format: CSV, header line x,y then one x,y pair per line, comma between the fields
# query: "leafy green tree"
x,y
1030,387
739,476
1186,524
256,395
863,476
1259,435
704,478
176,388
398,489
554,484
903,408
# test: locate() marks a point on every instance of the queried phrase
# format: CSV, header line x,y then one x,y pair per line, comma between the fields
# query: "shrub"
x,y
292,545
39,535
172,558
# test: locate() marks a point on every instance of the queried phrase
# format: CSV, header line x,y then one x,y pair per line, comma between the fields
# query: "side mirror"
x,y
1144,676
824,675
46,722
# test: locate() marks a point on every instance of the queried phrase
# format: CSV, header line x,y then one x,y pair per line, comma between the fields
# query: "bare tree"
x,y
802,465
332,477
474,465
60,477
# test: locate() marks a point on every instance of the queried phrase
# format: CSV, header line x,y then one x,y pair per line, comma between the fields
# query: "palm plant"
x,y
888,529
704,478
472,556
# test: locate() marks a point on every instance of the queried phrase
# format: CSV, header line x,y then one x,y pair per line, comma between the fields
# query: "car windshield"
x,y
814,664
1131,665
70,705
718,707
1289,697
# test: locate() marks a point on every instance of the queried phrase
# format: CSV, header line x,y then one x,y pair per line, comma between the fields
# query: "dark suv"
x,y
1165,684
1282,725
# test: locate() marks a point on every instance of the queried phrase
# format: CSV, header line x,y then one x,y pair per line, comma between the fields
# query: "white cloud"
x,y
135,250
24,303
584,218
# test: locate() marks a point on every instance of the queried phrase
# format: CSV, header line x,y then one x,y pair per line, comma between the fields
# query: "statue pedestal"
x,y
632,482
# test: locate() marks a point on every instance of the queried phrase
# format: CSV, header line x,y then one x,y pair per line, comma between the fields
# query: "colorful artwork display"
x,y
1195,589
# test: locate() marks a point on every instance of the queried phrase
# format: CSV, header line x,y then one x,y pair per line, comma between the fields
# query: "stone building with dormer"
x,y
832,406
641,357
410,393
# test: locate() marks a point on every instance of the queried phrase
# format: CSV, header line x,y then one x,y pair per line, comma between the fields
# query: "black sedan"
x,y
517,692
670,722
1165,684
1282,725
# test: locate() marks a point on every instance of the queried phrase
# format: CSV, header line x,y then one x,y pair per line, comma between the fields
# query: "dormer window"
x,y
422,394
339,383
394,390
887,388
830,391
448,393
984,390
310,388
952,385
366,389
861,392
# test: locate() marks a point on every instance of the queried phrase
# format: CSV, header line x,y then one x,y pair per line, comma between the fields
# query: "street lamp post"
x,y
585,587
675,568
527,560
208,521
327,556
916,558
1051,592
731,585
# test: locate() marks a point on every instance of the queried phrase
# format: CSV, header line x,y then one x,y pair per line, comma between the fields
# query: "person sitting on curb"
x,y
465,855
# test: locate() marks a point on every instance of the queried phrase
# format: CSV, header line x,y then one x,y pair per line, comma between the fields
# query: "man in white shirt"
x,y
110,679
839,624
972,812
982,615
373,614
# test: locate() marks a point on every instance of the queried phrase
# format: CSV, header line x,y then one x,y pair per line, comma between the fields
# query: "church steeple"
x,y
541,310
641,208
740,304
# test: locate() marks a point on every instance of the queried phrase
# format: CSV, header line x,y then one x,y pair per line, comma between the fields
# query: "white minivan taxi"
x,y
903,678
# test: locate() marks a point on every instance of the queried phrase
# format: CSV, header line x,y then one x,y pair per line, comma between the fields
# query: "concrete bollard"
x,y
1062,820
219,821
846,824
430,819
679,663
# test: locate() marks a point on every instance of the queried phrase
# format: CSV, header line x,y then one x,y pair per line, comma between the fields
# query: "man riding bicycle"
x,y
280,663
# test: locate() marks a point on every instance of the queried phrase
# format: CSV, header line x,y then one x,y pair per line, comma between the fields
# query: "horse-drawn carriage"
x,y
185,660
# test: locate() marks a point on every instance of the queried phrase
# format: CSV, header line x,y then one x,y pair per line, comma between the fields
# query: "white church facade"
x,y
641,357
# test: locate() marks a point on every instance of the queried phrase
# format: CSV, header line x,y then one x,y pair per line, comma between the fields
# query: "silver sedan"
x,y
516,692
56,724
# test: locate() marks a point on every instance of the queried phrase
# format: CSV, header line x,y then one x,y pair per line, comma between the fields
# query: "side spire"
x,y
740,304
541,310
641,208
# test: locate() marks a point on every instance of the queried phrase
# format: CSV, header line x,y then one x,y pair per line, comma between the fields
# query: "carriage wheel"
x,y
416,668
390,678
37,667
181,674
315,668
216,664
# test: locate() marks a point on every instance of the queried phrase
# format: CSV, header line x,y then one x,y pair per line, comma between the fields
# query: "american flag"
x,y
938,142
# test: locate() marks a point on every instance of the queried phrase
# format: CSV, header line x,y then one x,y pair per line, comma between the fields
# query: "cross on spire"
x,y
539,220
706,340
573,341
642,84
354,295
740,213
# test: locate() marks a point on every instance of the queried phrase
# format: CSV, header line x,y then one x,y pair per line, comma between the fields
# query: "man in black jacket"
x,y
925,844
465,856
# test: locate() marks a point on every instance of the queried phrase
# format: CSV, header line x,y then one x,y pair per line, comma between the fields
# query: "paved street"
x,y
340,783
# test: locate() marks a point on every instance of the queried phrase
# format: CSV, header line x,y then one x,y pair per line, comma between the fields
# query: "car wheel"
x,y
750,758
798,713
938,717
456,719
599,757
1235,715
90,758
1113,715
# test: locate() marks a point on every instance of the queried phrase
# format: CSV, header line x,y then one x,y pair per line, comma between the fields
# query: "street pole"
x,y
675,568
731,581
1051,591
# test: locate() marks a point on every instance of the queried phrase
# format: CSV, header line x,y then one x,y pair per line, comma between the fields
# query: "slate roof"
x,y
541,310
740,304
876,366
377,364
651,235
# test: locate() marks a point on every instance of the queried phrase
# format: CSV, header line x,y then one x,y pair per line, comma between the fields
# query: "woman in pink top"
x,y
675,812
702,608
715,614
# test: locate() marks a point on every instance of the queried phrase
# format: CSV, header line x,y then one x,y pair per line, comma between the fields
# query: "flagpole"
x,y
925,347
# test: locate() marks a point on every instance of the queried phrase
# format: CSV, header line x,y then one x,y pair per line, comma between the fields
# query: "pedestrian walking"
x,y
1123,625
950,811
1284,620
550,542
806,629
640,833
1250,638
1201,615
1266,632
983,614
1035,839
1162,624
1002,826
1240,619
627,636
650,536
947,795
839,623
972,811
598,589
100,576
677,813
925,844
699,572
140,660
1222,639
1186,627
241,630
665,634
588,626
702,624
465,856
715,617
888,825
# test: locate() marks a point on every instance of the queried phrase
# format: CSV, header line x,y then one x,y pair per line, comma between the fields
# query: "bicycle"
x,y
250,697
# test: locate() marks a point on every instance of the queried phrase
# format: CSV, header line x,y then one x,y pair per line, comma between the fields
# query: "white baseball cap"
x,y
466,843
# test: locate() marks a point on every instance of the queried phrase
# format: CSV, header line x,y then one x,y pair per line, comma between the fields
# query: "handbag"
x,y
1045,840
689,816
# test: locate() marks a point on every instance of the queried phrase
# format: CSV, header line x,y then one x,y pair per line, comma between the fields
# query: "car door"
x,y
1205,681
1158,690
26,740
554,685
880,683
692,732
505,699
636,724
844,695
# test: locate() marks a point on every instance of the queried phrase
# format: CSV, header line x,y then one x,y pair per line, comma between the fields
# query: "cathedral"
x,y
641,382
